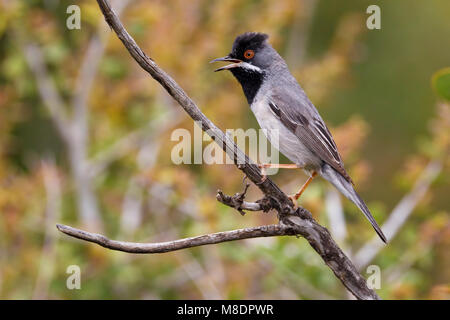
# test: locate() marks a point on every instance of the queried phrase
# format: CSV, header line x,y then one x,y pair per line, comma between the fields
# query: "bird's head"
x,y
250,53
253,61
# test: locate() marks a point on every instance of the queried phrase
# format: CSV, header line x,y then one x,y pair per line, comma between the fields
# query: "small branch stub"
x,y
237,202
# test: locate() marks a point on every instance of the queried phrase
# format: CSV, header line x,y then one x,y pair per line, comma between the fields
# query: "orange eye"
x,y
249,54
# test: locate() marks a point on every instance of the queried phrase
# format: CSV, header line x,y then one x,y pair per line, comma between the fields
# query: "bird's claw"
x,y
264,178
263,173
293,199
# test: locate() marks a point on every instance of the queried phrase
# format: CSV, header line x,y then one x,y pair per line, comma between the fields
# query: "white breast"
x,y
288,143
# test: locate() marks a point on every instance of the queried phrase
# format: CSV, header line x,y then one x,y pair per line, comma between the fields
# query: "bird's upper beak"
x,y
236,63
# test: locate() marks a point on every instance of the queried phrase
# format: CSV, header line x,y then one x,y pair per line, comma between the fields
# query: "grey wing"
x,y
300,117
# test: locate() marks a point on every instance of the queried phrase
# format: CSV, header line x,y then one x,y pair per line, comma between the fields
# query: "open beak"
x,y
236,63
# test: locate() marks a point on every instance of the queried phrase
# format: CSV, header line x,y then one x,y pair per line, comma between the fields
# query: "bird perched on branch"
x,y
280,104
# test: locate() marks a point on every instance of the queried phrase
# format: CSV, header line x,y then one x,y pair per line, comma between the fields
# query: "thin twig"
x,y
168,246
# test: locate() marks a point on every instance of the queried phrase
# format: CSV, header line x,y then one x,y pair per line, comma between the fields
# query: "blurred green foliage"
x,y
441,83
371,87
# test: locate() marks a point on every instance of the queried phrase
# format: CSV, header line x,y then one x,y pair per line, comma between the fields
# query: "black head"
x,y
250,51
251,57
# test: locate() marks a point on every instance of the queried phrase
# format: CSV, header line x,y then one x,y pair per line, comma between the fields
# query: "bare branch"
x,y
168,246
246,165
293,221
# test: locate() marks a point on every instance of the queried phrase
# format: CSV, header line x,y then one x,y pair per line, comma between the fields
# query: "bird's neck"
x,y
250,81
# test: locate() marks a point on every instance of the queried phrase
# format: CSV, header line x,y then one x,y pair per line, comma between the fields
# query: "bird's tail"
x,y
346,188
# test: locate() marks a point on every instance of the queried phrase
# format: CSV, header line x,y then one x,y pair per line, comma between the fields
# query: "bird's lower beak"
x,y
236,63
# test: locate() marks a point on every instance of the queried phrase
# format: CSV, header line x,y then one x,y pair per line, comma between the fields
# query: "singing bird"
x,y
279,103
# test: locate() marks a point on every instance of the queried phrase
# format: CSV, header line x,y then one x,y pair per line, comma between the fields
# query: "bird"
x,y
279,103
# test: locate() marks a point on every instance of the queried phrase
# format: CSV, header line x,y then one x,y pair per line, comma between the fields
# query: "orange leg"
x,y
264,166
303,188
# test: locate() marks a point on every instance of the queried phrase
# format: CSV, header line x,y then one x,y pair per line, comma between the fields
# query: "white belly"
x,y
288,143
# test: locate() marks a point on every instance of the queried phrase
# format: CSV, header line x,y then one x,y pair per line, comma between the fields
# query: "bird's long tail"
x,y
346,188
